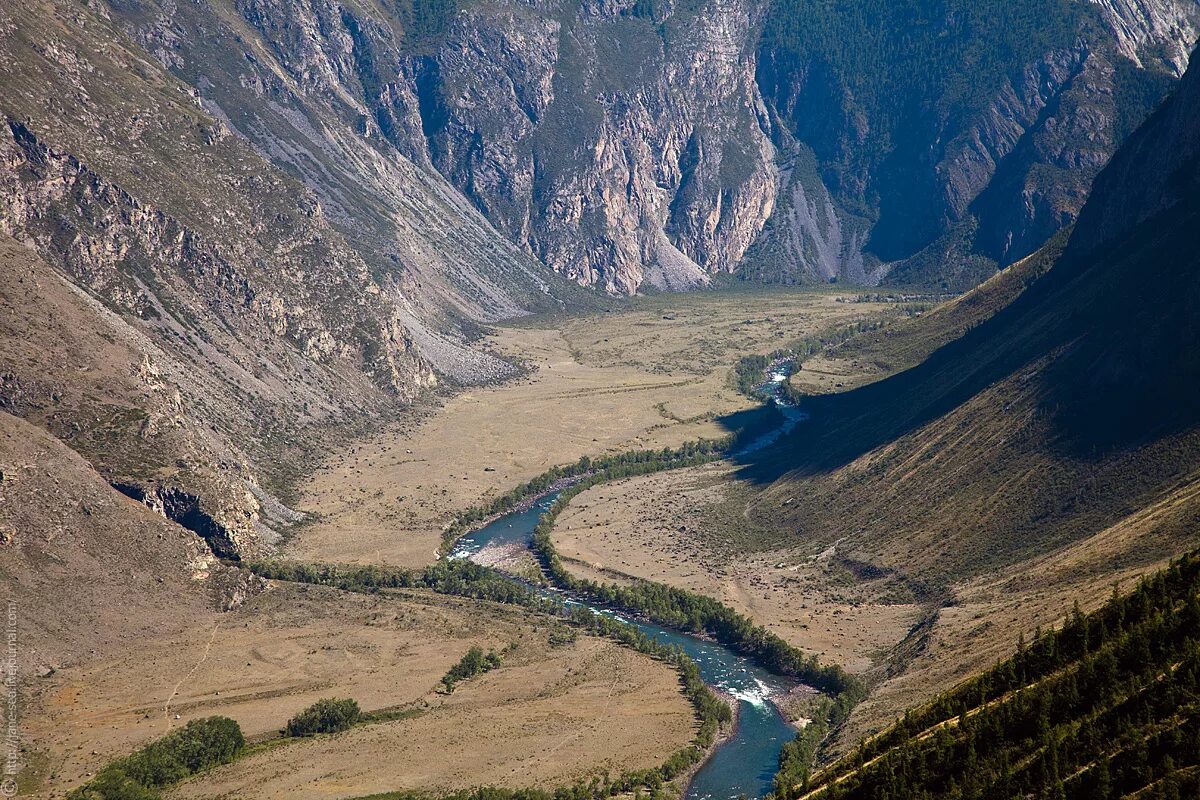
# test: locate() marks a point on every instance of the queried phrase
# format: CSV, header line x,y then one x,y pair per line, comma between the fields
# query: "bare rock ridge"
x,y
189,305
48,193
613,147
297,215
462,148
1158,168
1153,29
626,142
302,84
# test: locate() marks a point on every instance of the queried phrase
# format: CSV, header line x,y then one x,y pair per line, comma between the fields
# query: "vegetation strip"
x,y
637,462
699,614
466,579
678,608
1106,706
750,372
475,662
660,603
200,744
331,715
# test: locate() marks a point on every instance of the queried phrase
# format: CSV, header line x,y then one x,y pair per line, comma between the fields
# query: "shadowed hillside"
x,y
1057,416
954,136
1050,450
1103,708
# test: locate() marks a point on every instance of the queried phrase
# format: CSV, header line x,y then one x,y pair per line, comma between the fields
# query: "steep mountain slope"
x,y
156,419
308,208
796,142
59,520
116,176
615,143
234,312
871,355
625,142
1055,445
318,89
1105,707
1090,365
974,127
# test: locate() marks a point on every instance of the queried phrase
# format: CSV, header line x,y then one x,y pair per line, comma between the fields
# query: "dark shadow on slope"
x,y
1134,374
1110,334
751,423
1119,331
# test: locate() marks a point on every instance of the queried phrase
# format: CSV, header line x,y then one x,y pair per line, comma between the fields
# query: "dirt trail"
x,y
212,637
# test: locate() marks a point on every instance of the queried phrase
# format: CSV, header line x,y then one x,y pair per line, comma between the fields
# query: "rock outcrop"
x,y
1158,168
216,318
613,142
622,142
146,264
460,149
1149,31
969,142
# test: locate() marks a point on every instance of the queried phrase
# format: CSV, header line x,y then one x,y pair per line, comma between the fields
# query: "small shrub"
x,y
472,664
113,784
200,744
329,715
560,637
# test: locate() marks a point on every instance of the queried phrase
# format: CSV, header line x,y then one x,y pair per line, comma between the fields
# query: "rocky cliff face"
x,y
621,142
959,139
239,318
1153,31
328,93
1024,166
1157,169
115,246
618,143
462,148
614,142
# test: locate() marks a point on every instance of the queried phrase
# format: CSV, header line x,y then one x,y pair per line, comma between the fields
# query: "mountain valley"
x,y
463,400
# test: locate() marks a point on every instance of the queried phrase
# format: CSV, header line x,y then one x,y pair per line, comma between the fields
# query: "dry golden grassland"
x,y
548,715
687,528
654,374
917,564
114,661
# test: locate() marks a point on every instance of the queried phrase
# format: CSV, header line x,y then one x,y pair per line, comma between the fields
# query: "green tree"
x,y
329,715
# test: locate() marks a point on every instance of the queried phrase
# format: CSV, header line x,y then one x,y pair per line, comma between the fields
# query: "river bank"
x,y
726,734
452,537
650,375
744,761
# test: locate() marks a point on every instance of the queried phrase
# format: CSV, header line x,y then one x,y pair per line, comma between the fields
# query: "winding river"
x,y
745,763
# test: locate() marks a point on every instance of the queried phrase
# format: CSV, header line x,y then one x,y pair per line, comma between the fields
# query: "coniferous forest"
x,y
1107,706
